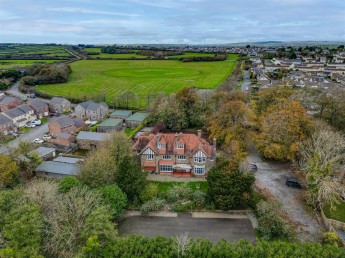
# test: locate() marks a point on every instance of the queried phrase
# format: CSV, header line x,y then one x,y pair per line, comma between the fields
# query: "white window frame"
x,y
165,168
200,159
181,157
199,170
166,157
149,156
161,146
180,146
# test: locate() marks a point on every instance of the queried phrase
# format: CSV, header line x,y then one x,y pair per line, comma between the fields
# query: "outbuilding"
x,y
90,140
136,119
43,152
57,170
110,125
121,114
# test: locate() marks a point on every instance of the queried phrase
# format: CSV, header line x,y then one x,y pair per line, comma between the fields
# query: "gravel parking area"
x,y
271,176
213,229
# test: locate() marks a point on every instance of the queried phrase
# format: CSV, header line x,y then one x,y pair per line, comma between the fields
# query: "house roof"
x,y
42,151
90,105
93,136
26,108
58,101
78,122
58,168
14,112
64,121
121,113
64,135
139,116
37,103
192,143
111,122
68,160
4,120
5,100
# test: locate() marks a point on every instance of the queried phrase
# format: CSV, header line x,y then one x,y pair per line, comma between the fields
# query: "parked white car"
x,y
36,122
30,125
46,137
38,141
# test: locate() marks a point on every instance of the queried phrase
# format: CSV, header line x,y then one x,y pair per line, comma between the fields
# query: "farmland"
x,y
8,64
9,51
140,77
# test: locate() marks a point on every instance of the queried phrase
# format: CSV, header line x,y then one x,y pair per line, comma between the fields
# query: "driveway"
x,y
271,176
14,91
213,229
36,132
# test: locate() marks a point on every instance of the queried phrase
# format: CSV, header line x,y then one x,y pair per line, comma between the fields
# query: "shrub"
x,y
67,183
150,191
199,198
179,193
185,207
113,196
155,204
331,238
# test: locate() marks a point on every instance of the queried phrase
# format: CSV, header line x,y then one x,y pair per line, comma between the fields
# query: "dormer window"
x,y
180,146
161,146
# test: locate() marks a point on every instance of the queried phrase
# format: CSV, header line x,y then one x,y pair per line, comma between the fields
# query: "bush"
x,y
150,191
185,207
113,196
155,204
199,198
331,238
67,183
179,193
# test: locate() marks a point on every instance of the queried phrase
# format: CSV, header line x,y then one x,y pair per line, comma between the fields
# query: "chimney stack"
x,y
214,144
199,133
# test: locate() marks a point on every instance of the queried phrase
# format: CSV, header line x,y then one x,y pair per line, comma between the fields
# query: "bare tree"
x,y
182,244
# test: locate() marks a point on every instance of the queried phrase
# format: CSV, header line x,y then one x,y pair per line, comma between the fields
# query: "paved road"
x,y
247,81
271,177
213,229
14,91
36,132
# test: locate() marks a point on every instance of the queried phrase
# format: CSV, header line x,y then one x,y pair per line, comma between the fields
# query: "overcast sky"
x,y
170,21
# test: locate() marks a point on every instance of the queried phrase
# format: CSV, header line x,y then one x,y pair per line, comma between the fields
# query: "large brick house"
x,y
91,110
65,124
59,105
8,102
176,154
40,107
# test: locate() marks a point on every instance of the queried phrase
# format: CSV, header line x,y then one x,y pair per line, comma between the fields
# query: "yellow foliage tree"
x,y
8,171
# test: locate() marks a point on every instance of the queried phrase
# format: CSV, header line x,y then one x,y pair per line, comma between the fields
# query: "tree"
x,y
227,187
150,191
282,127
8,172
130,178
113,196
68,183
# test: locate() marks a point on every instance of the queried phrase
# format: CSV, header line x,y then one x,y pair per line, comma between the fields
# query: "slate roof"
x,y
37,103
68,160
192,143
110,122
42,151
78,122
26,108
93,136
4,120
139,116
58,168
64,121
58,101
90,105
5,100
121,113
64,135
14,112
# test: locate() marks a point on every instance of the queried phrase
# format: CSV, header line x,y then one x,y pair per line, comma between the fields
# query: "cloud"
x,y
89,11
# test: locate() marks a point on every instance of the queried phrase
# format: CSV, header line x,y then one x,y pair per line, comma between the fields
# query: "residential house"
x,y
121,114
64,139
8,102
91,110
65,124
43,153
90,140
59,105
40,107
136,119
110,125
176,154
20,115
6,125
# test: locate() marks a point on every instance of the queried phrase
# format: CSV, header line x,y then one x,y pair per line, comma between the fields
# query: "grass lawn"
x,y
141,77
164,186
34,49
6,64
25,129
337,214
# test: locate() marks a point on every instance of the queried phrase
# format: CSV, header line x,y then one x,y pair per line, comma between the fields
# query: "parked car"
x,y
46,137
14,134
36,122
38,141
30,125
31,95
293,182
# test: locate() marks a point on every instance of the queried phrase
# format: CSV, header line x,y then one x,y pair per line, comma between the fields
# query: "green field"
x,y
7,64
337,214
141,77
8,50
